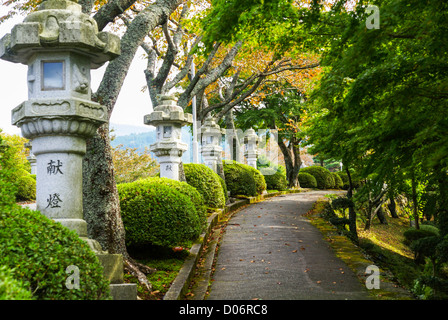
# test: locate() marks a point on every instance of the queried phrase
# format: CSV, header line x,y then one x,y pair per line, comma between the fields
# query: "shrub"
x,y
413,234
158,214
324,179
38,251
239,181
260,182
10,288
307,180
26,186
338,183
186,189
275,179
224,188
15,165
344,179
207,182
355,179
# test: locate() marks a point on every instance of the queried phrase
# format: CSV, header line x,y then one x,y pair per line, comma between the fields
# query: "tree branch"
x,y
109,11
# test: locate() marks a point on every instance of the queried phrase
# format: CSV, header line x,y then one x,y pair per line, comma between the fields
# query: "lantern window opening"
x,y
53,75
167,130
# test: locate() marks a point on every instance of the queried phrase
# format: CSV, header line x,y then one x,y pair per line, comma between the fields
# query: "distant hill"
x,y
126,129
136,137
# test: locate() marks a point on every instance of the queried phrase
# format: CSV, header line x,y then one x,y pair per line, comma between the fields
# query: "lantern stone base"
x,y
113,272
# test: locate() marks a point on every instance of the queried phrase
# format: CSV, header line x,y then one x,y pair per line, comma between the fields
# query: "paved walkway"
x,y
271,252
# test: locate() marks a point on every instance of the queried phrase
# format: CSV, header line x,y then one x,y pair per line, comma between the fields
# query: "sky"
x,y
130,108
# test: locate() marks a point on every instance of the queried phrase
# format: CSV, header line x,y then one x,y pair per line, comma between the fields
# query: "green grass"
x,y
381,246
167,263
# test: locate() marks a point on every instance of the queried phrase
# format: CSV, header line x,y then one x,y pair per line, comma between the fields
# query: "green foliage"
x,y
186,189
10,288
425,246
323,177
26,186
131,165
224,188
239,180
413,234
207,182
159,212
275,179
16,167
260,182
38,251
338,184
344,179
307,180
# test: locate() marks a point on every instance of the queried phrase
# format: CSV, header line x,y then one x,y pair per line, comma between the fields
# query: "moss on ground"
x,y
358,258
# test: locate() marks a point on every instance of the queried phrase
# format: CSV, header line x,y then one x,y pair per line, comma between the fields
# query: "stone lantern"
x,y
251,148
31,158
168,118
211,140
60,45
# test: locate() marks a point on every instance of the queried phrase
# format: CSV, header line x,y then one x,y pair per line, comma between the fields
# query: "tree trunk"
x,y
291,155
414,201
380,214
442,215
351,209
392,207
101,203
100,198
232,138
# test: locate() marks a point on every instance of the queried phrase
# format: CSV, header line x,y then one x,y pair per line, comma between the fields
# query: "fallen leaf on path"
x,y
294,251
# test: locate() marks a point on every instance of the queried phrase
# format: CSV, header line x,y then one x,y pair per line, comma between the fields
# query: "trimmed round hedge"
x,y
38,251
275,179
160,212
242,179
323,177
186,189
338,183
260,182
207,182
238,180
307,180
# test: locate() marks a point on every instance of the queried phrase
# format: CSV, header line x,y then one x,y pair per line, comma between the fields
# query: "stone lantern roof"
x,y
168,112
251,136
210,127
59,25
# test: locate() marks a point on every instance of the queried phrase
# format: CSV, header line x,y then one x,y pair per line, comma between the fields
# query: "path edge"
x,y
181,283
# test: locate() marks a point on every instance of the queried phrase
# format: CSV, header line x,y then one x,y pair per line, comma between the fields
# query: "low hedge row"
x,y
161,212
208,183
242,179
324,178
275,179
307,180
